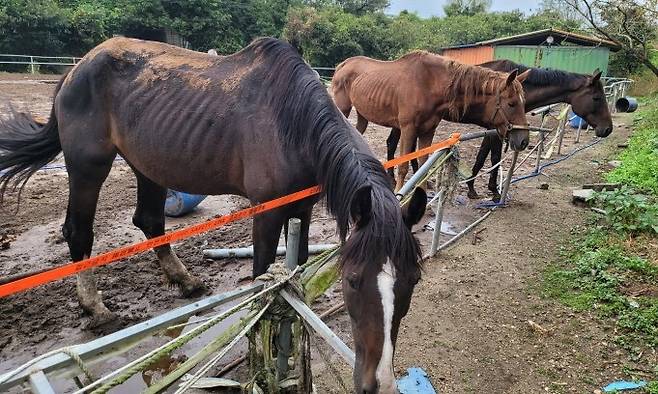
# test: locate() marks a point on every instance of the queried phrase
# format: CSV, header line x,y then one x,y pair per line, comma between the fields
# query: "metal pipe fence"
x,y
34,61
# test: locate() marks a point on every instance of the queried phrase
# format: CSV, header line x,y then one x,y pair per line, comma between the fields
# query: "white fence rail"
x,y
35,61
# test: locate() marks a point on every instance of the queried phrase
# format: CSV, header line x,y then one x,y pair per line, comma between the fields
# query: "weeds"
x,y
628,212
611,269
639,162
596,273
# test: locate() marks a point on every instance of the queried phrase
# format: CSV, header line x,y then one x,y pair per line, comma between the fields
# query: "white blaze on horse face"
x,y
384,374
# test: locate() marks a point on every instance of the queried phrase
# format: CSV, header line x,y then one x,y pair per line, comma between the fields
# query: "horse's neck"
x,y
540,96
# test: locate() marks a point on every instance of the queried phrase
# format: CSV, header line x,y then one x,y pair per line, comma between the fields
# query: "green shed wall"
x,y
576,59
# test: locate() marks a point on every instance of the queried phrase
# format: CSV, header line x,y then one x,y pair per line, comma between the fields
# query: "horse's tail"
x,y
26,144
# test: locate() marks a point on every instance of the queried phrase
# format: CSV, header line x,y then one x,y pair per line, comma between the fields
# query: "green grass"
x,y
639,162
652,387
593,274
606,268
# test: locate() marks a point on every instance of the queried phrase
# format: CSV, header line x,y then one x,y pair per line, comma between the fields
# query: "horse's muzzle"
x,y
519,139
603,131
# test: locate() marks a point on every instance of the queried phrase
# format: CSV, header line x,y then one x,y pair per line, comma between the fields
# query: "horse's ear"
x,y
512,76
361,206
523,76
596,76
415,208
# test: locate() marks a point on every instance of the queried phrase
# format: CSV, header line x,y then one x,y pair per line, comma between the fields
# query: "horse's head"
x,y
508,110
589,103
379,273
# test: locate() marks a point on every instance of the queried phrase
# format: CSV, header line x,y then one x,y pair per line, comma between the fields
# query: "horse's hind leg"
x,y
149,217
361,123
85,180
343,102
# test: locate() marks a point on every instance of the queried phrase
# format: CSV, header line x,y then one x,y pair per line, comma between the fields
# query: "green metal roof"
x,y
539,37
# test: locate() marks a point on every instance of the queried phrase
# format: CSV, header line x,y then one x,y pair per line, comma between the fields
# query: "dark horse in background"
x,y
544,87
257,123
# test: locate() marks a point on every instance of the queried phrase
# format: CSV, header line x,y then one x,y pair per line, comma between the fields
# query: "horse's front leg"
x,y
496,157
266,233
485,147
407,145
424,140
149,217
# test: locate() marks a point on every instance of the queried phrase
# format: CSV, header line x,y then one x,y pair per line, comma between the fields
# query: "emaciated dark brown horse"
x,y
259,124
415,92
544,87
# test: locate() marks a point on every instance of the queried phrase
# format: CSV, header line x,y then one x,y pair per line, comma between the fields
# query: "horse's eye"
x,y
512,104
353,280
596,98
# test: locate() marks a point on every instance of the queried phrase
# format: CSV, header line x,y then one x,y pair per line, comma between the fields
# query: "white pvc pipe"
x,y
247,252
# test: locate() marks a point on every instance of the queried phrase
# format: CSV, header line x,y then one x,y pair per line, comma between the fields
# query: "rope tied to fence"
x,y
78,361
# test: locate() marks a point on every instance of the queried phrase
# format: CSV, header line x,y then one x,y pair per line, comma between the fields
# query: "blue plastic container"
x,y
179,203
626,104
576,121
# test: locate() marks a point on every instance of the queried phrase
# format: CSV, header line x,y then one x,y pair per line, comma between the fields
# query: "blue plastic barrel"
x,y
179,203
626,104
576,121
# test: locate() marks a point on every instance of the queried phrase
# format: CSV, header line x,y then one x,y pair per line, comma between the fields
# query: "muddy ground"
x,y
468,324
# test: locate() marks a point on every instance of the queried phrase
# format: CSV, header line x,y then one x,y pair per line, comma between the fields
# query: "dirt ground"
x,y
468,325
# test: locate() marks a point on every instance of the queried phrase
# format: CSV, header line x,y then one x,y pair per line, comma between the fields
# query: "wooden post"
x,y
32,65
508,180
540,149
561,127
292,246
284,338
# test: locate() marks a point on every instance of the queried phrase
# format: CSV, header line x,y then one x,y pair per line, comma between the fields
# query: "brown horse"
x,y
415,92
544,87
258,123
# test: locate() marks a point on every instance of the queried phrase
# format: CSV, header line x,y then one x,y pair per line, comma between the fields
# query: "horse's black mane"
x,y
538,76
309,122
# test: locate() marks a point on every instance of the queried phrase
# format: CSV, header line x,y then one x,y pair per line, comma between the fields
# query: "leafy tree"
x,y
630,24
360,7
357,7
466,7
33,27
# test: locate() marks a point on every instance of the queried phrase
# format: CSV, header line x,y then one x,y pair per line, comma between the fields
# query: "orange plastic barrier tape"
x,y
131,250
453,140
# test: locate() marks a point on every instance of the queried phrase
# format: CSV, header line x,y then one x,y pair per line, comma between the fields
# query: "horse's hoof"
x,y
193,287
101,318
473,195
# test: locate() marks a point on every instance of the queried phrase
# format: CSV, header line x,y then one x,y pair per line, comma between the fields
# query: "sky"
x,y
427,8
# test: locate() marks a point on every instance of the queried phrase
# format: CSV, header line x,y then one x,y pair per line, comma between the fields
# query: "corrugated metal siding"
x,y
474,55
576,59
